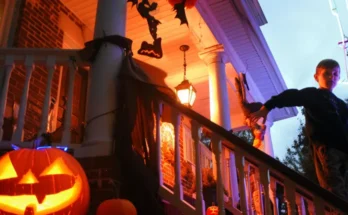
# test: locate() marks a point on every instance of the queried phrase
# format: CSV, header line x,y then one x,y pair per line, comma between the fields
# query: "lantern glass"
x,y
186,93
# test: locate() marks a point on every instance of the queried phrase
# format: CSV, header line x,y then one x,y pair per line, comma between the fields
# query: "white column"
x,y
110,20
215,59
268,146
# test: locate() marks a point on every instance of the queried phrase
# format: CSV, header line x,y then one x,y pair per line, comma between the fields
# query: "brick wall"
x,y
38,27
100,172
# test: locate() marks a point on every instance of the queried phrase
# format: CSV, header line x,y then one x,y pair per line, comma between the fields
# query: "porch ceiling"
x,y
173,35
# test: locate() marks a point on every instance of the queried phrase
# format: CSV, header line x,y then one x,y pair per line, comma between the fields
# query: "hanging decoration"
x,y
180,12
144,8
258,131
155,49
188,3
179,6
53,182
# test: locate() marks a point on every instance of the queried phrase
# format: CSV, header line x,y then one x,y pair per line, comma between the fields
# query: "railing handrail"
x,y
300,180
40,55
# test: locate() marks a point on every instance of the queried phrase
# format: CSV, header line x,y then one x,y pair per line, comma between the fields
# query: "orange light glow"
x,y
52,203
167,134
28,178
7,170
58,167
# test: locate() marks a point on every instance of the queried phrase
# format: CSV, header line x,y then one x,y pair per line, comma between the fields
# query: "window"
x,y
206,157
190,152
189,146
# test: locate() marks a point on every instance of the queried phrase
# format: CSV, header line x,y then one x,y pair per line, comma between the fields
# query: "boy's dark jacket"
x,y
326,115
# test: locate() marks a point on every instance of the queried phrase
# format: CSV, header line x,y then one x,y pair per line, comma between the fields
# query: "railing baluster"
x,y
9,65
300,205
319,206
273,187
158,142
290,196
265,181
68,112
217,148
177,182
239,155
248,193
50,65
200,204
29,67
233,179
311,209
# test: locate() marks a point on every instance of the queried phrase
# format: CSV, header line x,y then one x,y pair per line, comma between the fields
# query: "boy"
x,y
326,125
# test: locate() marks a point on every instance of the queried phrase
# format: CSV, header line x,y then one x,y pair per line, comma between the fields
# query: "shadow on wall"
x,y
155,74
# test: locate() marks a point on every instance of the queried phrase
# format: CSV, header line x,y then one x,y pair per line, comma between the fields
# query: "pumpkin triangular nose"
x,y
28,178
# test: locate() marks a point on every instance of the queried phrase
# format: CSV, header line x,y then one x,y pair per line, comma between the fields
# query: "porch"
x,y
255,183
44,90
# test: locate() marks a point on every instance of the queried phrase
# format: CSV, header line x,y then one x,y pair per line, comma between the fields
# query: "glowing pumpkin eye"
x,y
28,178
58,167
7,170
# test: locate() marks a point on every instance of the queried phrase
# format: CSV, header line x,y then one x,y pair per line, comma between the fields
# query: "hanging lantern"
x,y
116,206
213,210
188,3
185,91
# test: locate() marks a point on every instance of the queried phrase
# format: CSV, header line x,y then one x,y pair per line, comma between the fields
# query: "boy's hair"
x,y
327,64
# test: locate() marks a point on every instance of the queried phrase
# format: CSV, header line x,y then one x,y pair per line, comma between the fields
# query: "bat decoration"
x,y
180,12
257,130
144,9
155,49
134,2
151,50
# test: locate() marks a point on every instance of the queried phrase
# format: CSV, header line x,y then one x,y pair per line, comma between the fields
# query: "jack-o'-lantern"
x,y
188,3
213,210
46,181
116,206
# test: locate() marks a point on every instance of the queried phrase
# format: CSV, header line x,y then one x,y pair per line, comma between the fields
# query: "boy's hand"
x,y
262,113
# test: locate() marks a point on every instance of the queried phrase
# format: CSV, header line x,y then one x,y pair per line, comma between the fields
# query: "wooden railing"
x,y
258,175
49,59
251,177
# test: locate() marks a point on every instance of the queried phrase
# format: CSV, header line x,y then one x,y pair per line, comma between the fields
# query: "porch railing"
x,y
257,175
49,59
250,176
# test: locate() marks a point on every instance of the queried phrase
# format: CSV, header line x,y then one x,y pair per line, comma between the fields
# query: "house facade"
x,y
48,87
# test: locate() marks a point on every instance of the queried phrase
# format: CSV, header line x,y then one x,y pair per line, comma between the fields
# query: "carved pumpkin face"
x,y
42,182
213,210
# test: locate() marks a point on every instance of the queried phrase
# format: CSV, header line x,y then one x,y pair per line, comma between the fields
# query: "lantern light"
x,y
185,91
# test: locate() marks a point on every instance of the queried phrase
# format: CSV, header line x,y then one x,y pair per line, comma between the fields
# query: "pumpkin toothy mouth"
x,y
23,202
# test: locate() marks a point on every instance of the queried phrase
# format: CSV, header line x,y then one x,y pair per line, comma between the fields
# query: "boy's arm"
x,y
292,97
